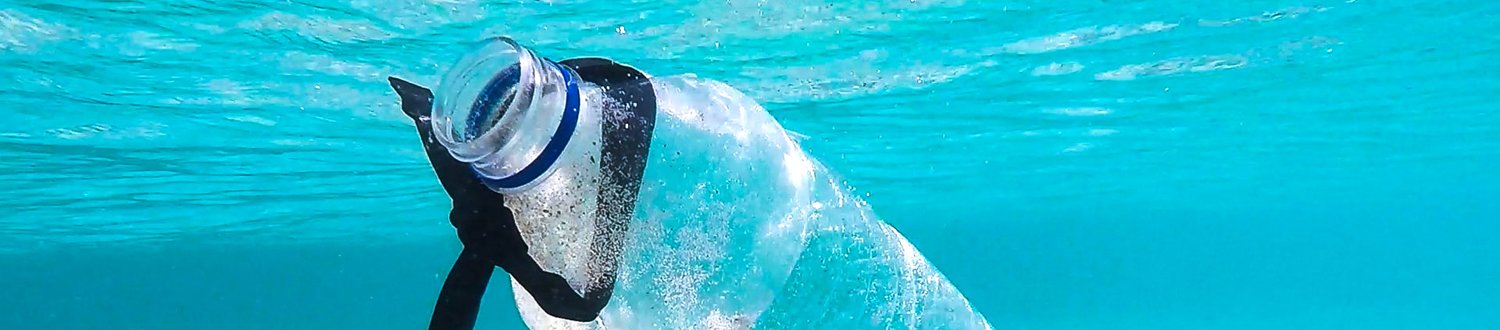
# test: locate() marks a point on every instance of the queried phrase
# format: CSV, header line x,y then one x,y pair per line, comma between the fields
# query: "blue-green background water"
x,y
1068,164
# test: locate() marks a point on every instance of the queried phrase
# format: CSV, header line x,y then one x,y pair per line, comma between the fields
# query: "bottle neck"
x,y
509,114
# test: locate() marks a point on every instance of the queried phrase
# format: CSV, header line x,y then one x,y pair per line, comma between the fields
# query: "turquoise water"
x,y
1067,164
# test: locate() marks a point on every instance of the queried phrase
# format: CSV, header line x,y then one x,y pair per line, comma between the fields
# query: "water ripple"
x,y
1083,37
1174,66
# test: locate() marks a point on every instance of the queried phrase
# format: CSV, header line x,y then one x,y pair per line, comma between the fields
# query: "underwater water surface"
x,y
1066,164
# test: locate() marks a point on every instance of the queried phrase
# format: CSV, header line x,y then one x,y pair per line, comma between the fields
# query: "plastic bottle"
x,y
734,226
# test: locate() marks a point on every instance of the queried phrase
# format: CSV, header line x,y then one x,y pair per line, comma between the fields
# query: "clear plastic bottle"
x,y
734,225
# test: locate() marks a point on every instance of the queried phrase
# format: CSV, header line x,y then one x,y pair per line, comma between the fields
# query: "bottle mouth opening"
x,y
484,98
506,112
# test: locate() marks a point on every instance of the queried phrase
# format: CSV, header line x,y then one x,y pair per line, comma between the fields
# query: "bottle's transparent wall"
x,y
735,227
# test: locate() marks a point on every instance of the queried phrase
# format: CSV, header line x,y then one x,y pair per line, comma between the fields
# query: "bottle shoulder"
x,y
711,106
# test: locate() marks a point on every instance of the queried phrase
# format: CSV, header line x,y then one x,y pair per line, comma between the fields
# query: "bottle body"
x,y
734,227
